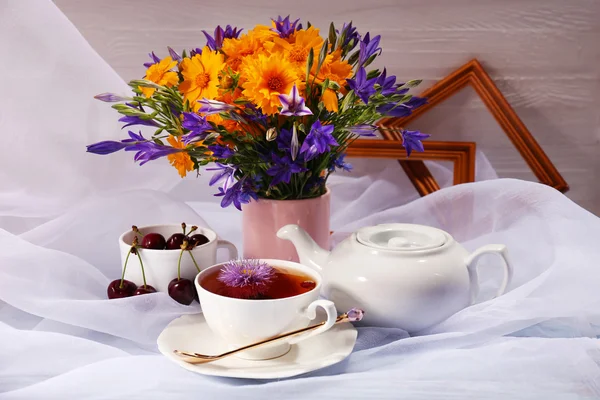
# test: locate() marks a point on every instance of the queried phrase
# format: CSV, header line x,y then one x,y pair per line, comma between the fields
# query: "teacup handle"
x,y
311,313
231,249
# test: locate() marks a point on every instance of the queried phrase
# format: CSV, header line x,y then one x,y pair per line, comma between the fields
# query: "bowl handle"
x,y
471,262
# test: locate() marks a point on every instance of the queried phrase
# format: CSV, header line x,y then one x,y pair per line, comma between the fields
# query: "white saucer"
x,y
191,333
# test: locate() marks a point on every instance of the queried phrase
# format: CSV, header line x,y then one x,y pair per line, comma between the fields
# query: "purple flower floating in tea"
x,y
246,279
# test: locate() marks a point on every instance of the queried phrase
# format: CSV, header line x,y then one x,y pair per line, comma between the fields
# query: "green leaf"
x,y
309,62
347,100
144,83
322,55
370,60
411,84
183,54
332,34
354,57
373,74
302,128
308,24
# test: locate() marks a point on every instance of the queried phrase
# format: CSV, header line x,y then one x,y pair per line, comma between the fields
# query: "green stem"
x,y
179,265
124,268
194,260
141,265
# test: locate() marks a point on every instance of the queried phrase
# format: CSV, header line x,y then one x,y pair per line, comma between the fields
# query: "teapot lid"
x,y
402,237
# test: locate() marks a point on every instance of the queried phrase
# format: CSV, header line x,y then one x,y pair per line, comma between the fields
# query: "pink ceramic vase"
x,y
262,219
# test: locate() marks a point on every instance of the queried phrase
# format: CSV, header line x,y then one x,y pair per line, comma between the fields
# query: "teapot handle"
x,y
471,262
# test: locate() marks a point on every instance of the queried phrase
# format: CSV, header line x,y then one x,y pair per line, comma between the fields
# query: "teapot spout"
x,y
309,252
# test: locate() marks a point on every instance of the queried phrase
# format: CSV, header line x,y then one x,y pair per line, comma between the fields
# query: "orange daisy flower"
x,y
201,76
161,74
181,160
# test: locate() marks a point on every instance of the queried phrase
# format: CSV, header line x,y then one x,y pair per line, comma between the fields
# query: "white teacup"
x,y
160,266
240,322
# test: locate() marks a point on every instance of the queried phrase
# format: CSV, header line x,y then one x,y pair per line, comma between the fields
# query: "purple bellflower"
x,y
363,130
401,110
154,59
106,147
363,87
240,193
135,120
411,140
339,163
283,168
197,125
174,55
110,97
216,42
318,141
284,27
210,107
350,34
224,172
221,151
388,84
368,47
293,104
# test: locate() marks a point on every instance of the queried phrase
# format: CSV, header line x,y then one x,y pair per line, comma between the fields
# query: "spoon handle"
x,y
195,358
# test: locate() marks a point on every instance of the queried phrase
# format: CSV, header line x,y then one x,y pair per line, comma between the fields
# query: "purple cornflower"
x,y
154,59
221,151
363,87
224,172
106,147
284,27
401,110
210,107
240,193
293,104
216,42
136,120
110,97
411,140
197,125
368,47
363,130
283,168
318,141
246,278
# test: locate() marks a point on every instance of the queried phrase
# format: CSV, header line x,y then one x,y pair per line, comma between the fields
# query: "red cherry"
x,y
182,291
116,290
144,290
154,241
198,240
175,241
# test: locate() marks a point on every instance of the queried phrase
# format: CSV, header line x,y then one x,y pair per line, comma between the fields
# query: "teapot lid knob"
x,y
402,237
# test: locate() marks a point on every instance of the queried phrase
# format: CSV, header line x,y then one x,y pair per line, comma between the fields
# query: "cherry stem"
x,y
194,260
179,266
124,268
142,265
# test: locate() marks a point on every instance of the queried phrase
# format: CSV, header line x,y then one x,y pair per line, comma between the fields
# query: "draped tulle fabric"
x,y
61,211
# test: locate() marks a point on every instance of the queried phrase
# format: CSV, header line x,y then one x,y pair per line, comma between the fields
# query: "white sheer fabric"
x,y
61,211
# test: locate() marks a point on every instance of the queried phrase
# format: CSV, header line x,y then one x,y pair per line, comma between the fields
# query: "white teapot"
x,y
403,275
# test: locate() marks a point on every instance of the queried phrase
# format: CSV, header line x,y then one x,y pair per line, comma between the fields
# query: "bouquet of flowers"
x,y
272,110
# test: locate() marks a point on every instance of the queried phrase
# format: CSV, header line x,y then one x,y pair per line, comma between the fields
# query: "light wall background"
x,y
544,55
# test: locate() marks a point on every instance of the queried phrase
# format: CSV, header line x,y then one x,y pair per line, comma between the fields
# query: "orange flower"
x,y
336,70
237,49
201,76
161,74
181,160
265,78
229,125
297,46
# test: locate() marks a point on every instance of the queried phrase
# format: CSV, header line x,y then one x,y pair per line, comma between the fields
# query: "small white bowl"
x,y
160,266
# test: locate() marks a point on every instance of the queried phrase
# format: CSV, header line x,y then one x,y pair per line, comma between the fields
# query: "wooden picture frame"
x,y
472,73
462,154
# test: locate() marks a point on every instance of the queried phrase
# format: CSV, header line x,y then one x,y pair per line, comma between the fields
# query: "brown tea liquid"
x,y
284,284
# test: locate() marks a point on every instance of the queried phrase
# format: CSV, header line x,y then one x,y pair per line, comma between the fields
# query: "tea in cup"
x,y
243,315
